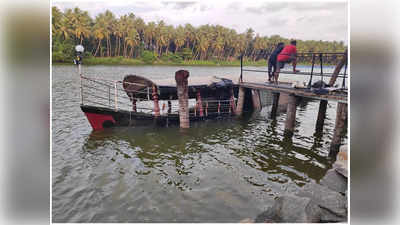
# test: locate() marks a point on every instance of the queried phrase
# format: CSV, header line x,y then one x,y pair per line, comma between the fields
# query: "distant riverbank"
x,y
140,62
133,62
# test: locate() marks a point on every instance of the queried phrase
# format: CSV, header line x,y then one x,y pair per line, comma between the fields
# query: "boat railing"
x,y
319,61
111,94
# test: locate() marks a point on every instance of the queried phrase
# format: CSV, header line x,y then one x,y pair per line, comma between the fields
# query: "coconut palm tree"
x,y
140,26
132,40
168,37
80,22
118,31
160,36
123,25
190,33
63,29
56,17
129,25
109,20
99,31
149,34
179,39
203,46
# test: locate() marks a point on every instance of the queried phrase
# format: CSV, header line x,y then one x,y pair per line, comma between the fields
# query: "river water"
x,y
222,171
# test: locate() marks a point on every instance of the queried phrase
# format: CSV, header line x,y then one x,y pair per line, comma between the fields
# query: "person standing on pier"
x,y
272,60
287,55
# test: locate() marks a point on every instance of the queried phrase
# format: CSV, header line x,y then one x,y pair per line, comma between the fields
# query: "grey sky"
x,y
307,20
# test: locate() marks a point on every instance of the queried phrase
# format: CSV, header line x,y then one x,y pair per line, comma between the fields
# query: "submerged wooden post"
x,y
181,78
169,106
341,116
290,115
256,99
240,101
275,104
321,115
200,104
232,104
155,100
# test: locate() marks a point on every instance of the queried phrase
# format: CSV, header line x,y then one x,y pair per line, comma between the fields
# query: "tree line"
x,y
130,37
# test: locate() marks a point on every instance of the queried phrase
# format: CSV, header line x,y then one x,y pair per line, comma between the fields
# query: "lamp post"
x,y
79,49
78,61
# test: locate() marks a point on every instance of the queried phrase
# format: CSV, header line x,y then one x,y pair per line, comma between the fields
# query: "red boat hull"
x,y
99,121
100,118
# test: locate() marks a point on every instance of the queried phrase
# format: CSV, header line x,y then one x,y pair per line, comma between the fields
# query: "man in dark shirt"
x,y
272,60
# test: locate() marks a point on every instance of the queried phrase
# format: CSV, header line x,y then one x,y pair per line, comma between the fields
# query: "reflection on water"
x,y
217,171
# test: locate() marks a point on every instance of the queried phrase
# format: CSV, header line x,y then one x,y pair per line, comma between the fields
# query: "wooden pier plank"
x,y
285,88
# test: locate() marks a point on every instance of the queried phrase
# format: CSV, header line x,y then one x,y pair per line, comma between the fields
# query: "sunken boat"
x,y
138,101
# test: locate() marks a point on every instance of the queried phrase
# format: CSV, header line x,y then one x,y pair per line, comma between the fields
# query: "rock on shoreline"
x,y
324,202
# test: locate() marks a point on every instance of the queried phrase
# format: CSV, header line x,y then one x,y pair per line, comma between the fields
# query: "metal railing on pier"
x,y
317,60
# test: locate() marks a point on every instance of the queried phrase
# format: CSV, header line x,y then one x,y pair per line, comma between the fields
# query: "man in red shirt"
x,y
287,55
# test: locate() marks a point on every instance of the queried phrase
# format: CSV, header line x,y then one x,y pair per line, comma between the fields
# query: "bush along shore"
x,y
150,59
140,61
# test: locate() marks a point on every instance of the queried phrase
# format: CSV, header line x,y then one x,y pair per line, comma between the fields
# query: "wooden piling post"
x,y
290,115
256,99
240,101
275,104
181,78
341,116
169,105
155,100
321,115
337,69
232,104
200,104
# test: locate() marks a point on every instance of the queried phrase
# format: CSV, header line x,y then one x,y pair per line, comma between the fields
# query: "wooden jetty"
x,y
295,94
248,96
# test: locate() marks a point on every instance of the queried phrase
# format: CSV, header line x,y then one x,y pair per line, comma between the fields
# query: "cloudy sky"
x,y
299,19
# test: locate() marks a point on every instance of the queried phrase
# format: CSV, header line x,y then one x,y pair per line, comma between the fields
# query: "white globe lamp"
x,y
79,48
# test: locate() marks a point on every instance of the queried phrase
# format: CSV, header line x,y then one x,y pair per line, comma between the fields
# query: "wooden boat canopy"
x,y
139,87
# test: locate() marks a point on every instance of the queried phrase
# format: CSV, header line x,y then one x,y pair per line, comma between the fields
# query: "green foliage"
x,y
186,53
149,57
171,57
112,61
63,51
175,58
